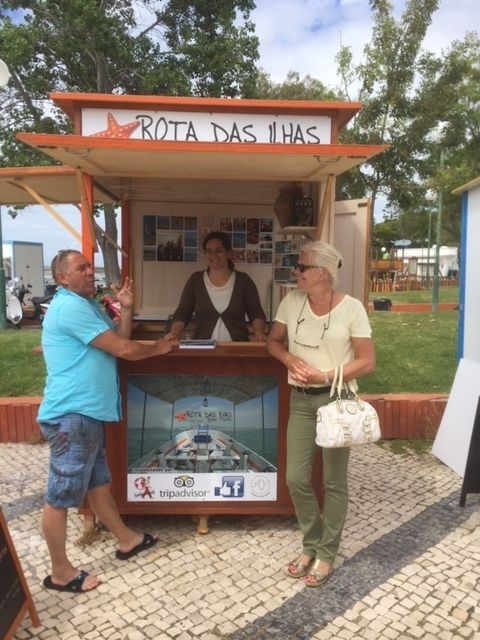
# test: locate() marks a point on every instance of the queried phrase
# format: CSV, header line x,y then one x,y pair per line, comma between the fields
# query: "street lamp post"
x,y
4,78
429,240
436,272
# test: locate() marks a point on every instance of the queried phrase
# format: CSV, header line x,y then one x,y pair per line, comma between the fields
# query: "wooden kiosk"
x,y
262,171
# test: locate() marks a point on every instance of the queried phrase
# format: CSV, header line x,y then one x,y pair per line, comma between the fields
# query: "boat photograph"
x,y
198,424
202,450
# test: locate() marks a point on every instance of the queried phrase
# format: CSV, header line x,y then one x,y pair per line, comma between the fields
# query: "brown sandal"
x,y
301,568
316,577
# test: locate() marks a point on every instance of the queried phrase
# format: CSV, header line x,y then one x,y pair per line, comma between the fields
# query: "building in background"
x,y
24,260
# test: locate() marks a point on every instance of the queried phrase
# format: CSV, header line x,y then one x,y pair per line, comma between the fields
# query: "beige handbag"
x,y
347,420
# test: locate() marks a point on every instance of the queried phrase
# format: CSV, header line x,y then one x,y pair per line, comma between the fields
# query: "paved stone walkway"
x,y
409,564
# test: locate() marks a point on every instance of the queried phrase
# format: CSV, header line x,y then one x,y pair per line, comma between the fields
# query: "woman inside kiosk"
x,y
220,297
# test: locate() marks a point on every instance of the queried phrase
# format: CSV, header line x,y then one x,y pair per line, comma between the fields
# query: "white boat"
x,y
202,450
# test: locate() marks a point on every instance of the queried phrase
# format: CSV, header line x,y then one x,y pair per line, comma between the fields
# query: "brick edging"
x,y
409,415
18,419
402,415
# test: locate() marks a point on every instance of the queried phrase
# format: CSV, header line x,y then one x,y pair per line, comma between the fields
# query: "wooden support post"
x,y
85,187
202,523
127,262
326,206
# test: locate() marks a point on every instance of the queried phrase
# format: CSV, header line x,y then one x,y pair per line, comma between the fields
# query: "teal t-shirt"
x,y
80,378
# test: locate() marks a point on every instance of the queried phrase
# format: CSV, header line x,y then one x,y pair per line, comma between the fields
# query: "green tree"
x,y
453,107
405,94
293,88
169,47
383,82
213,49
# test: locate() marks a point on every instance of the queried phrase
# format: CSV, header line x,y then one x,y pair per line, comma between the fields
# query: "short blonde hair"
x,y
322,254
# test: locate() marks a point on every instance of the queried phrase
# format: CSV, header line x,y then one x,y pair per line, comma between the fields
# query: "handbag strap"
x,y
338,385
337,382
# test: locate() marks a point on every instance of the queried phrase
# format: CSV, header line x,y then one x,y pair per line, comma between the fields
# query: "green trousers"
x,y
321,529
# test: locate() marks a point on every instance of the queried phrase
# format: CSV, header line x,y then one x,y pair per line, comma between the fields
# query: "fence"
x,y
408,283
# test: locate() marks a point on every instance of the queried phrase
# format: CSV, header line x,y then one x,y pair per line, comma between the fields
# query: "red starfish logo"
x,y
181,417
116,130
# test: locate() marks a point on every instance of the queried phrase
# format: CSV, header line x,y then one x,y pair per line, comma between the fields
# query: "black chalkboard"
x,y
471,479
15,598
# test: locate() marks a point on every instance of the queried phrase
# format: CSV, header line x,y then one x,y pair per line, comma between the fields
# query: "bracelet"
x,y
326,378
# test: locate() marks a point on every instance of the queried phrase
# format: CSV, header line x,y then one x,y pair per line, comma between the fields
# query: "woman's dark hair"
x,y
224,239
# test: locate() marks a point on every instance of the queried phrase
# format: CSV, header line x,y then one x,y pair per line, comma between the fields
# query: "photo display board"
x,y
202,438
179,239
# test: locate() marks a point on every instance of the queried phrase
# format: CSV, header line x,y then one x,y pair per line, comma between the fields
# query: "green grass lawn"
x,y
415,353
22,373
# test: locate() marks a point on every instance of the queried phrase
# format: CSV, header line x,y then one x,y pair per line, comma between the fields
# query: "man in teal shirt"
x,y
80,345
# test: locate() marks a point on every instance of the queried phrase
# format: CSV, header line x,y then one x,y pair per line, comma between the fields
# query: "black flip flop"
x,y
74,586
147,542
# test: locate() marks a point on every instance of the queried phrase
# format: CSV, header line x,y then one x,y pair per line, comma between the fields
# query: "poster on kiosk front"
x,y
197,438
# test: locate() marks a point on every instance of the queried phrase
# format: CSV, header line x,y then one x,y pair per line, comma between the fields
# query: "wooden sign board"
x,y
15,597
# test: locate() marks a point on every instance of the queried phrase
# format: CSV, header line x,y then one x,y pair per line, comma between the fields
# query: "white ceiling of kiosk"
x,y
56,185
138,159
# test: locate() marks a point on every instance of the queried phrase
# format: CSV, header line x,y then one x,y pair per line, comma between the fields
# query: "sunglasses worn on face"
x,y
304,267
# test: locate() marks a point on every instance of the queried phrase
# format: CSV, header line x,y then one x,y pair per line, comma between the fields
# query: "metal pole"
x,y
436,272
3,301
429,239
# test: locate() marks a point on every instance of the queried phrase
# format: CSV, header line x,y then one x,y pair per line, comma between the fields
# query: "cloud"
x,y
305,35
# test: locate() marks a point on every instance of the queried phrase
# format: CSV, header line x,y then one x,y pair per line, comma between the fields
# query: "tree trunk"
x,y
109,252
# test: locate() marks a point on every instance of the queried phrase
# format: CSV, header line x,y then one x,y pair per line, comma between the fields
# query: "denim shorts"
x,y
77,459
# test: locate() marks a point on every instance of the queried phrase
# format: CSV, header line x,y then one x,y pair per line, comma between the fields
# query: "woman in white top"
x,y
325,328
220,297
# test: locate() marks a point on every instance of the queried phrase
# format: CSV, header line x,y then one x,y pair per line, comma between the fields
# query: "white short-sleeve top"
x,y
348,319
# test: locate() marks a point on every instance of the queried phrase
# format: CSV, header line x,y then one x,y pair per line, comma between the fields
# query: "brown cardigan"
x,y
195,300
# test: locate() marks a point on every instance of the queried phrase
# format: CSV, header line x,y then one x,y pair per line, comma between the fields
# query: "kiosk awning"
x,y
116,164
57,185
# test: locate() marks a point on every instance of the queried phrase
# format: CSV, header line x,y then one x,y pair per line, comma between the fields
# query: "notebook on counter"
x,y
197,344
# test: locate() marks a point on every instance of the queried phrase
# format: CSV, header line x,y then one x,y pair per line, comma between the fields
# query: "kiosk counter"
x,y
203,433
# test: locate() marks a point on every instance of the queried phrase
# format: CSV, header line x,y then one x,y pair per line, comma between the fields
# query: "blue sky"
x,y
300,35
